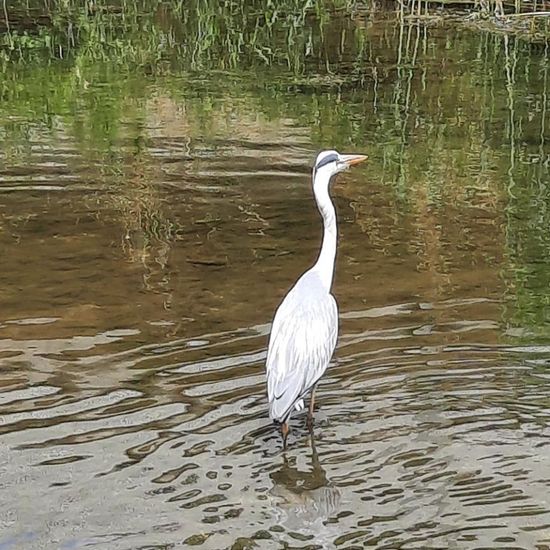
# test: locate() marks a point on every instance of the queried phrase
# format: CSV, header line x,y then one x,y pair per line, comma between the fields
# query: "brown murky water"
x,y
141,268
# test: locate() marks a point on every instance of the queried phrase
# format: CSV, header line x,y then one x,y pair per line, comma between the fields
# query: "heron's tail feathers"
x,y
280,409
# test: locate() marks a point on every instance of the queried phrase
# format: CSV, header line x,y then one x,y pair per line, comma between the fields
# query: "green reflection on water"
x,y
452,121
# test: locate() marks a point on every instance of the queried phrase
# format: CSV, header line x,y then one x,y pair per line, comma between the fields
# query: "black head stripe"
x,y
333,157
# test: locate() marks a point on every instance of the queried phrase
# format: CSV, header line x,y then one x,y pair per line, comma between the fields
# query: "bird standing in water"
x,y
305,327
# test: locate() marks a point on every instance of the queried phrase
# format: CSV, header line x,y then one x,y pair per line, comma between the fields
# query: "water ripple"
x,y
438,437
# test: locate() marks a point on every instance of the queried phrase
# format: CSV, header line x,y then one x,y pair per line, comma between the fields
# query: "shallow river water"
x,y
150,223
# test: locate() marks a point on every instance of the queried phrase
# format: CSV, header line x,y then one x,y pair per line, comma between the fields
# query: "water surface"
x,y
152,220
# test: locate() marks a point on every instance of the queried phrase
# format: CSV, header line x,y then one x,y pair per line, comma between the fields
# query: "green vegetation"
x,y
210,33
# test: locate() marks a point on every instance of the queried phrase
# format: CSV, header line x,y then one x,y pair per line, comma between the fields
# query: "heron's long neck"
x,y
327,255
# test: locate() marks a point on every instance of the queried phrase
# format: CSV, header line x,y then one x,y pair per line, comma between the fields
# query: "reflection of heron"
x,y
304,498
297,481
305,327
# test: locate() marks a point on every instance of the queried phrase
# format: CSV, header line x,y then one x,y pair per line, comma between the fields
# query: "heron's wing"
x,y
302,342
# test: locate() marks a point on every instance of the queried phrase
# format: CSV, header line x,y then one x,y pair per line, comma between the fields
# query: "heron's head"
x,y
329,163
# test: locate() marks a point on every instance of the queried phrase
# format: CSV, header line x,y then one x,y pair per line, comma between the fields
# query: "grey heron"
x,y
305,326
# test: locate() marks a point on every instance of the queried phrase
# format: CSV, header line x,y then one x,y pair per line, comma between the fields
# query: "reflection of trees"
x,y
528,212
455,162
444,159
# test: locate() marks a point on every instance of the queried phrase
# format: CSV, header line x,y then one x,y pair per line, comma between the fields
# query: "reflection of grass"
x,y
200,33
140,209
147,231
429,121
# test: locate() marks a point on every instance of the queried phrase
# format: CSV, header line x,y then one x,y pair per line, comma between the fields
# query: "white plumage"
x,y
305,327
302,342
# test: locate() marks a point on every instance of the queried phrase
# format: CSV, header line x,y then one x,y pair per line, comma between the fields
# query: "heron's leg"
x,y
284,432
310,408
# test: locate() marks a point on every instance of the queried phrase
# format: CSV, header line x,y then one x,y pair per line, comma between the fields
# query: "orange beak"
x,y
350,160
